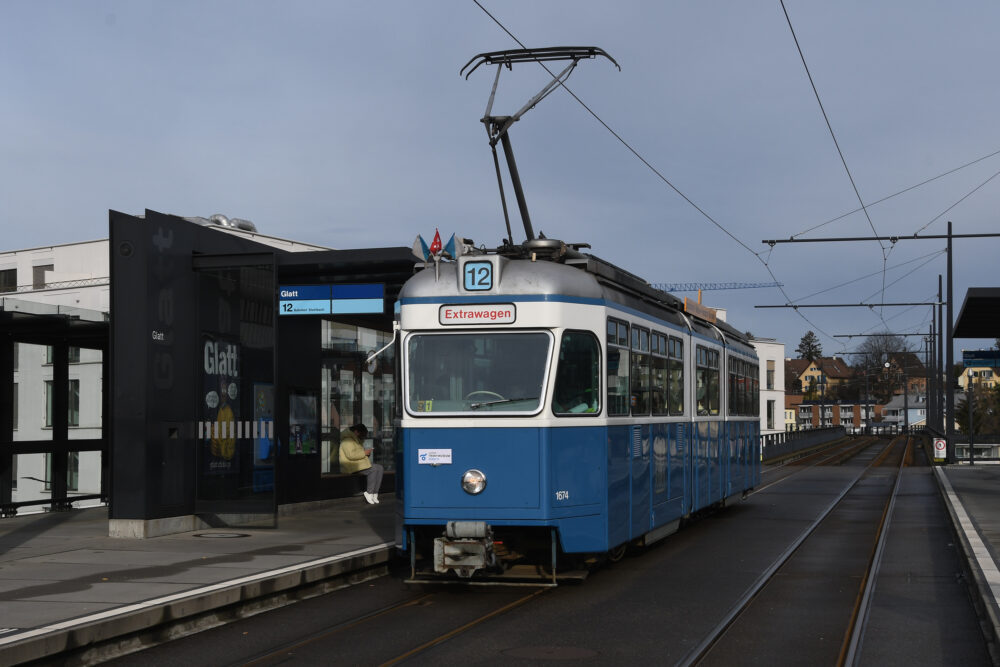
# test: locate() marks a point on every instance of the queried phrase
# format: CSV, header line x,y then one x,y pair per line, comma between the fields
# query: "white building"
x,y
68,279
771,357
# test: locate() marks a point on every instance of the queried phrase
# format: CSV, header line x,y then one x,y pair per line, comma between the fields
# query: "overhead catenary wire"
x,y
904,191
932,255
656,172
843,160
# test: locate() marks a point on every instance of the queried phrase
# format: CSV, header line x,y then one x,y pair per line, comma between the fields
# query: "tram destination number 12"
x,y
478,276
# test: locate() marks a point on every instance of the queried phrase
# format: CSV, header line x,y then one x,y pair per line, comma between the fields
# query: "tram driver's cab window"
x,y
618,368
578,375
476,373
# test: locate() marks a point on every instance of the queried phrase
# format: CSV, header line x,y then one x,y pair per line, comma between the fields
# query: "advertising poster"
x,y
220,404
303,424
265,447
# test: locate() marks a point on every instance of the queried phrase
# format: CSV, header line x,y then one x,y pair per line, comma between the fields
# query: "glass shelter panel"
x,y
236,439
355,390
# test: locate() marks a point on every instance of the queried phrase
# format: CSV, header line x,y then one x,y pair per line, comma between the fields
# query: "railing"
x,y
984,448
776,445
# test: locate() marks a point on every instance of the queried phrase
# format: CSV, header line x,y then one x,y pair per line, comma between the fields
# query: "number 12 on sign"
x,y
478,276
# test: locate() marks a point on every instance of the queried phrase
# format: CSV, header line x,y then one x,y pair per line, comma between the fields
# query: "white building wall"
x,y
771,350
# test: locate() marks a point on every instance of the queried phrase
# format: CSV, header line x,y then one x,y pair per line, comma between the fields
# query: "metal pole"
x,y
515,180
938,358
949,402
970,398
906,403
868,409
929,397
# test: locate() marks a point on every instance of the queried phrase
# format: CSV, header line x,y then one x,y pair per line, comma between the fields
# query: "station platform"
x,y
972,496
64,584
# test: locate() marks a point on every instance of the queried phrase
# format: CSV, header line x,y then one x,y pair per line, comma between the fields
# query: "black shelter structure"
x,y
980,314
222,409
60,328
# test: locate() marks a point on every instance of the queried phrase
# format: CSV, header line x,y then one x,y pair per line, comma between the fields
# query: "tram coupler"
x,y
465,547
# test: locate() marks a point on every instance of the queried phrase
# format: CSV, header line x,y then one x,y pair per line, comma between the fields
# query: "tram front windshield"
x,y
476,373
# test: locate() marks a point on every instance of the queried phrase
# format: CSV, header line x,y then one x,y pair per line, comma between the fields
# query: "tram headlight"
x,y
473,481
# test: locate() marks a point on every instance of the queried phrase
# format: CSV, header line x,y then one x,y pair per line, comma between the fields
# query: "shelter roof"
x,y
980,314
46,324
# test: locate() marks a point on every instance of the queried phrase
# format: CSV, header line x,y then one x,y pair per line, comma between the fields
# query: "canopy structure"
x,y
980,314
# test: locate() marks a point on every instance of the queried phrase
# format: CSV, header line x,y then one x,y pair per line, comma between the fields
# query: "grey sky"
x,y
348,125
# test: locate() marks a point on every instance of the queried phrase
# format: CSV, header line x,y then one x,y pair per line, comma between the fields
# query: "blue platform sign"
x,y
331,299
987,358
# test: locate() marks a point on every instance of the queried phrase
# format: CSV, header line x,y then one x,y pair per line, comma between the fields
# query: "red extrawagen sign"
x,y
493,313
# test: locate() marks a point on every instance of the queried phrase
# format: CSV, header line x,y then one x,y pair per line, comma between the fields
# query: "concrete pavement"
x,y
66,586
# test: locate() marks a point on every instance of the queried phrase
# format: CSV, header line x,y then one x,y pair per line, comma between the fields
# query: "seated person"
x,y
354,459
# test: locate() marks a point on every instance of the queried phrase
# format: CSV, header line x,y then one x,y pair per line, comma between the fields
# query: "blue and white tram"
x,y
557,409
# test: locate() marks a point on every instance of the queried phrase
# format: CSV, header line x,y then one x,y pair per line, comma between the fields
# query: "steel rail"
x,y
696,654
851,650
284,649
468,626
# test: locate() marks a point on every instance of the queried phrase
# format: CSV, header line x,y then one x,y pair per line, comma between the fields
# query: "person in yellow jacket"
x,y
354,459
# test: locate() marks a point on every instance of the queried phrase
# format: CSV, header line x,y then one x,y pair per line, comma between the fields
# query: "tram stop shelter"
x,y
216,409
979,317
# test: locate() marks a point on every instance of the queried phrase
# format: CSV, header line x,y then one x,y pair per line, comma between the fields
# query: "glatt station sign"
x,y
331,299
981,358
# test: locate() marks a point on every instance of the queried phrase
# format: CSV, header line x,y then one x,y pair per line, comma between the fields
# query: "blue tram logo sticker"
x,y
434,457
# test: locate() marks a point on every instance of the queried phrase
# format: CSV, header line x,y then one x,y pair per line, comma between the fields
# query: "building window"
x,y
72,471
8,280
73,355
73,407
38,275
770,415
770,373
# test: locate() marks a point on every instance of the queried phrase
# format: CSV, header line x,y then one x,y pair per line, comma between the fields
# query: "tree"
x,y
809,347
870,367
985,411
877,349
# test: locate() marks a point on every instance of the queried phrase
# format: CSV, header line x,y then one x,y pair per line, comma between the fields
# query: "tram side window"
x,y
618,368
707,380
658,373
578,376
675,392
738,389
640,371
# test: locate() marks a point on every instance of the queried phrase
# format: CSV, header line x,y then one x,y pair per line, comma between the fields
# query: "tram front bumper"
x,y
465,547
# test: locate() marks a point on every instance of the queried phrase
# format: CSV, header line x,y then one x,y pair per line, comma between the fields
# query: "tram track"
x,y
762,603
835,455
387,614
397,613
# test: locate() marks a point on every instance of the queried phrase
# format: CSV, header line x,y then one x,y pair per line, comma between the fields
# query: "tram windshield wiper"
x,y
476,406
